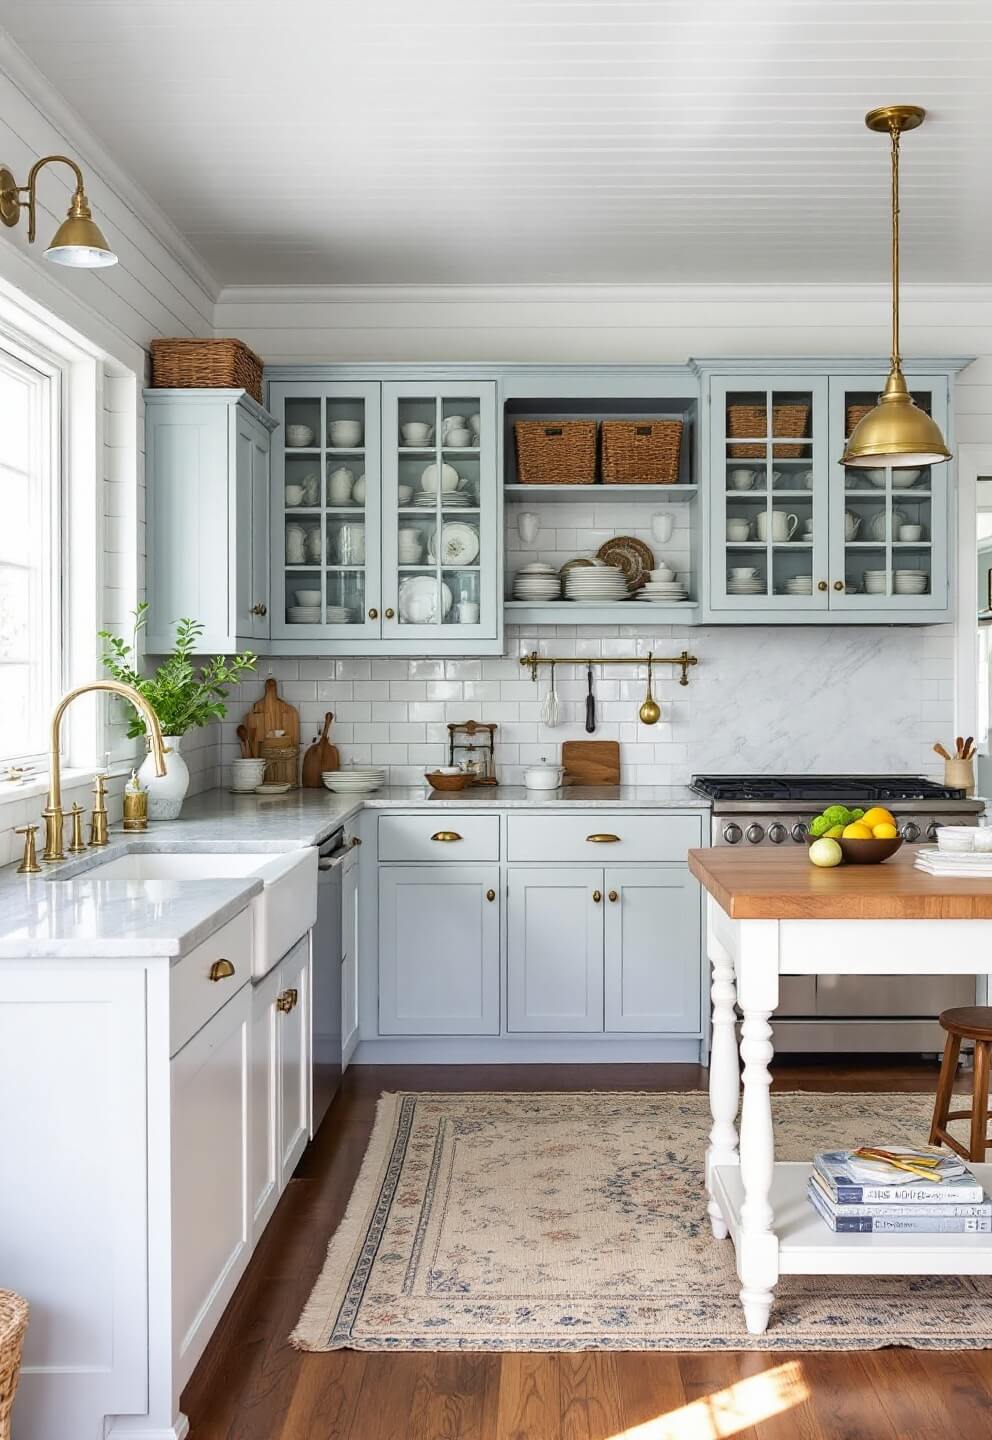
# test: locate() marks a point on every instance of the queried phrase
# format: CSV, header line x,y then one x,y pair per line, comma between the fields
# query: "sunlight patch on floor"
x,y
728,1411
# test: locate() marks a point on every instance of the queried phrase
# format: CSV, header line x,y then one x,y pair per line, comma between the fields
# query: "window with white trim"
x,y
31,658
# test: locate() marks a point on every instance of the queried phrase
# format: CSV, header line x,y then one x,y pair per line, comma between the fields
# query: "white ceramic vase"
x,y
167,792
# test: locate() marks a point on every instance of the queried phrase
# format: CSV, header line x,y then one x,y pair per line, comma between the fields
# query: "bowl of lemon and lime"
x,y
839,835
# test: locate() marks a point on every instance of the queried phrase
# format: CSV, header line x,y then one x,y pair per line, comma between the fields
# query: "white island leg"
x,y
757,1243
724,1073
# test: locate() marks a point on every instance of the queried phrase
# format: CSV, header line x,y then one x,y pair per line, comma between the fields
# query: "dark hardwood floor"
x,y
251,1384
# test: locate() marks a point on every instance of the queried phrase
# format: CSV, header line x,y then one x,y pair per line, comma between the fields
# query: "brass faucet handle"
x,y
54,820
77,844
99,827
29,864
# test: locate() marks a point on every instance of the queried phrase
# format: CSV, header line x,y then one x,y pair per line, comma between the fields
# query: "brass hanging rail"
x,y
533,660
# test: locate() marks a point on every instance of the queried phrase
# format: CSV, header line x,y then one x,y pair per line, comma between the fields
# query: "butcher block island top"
x,y
776,885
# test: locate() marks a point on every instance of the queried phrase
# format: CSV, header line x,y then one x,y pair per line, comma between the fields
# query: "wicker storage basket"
x,y
282,762
206,364
752,420
556,452
13,1323
854,417
640,452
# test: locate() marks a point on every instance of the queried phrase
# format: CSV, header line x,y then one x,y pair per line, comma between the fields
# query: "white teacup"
x,y
416,432
910,532
458,438
340,483
783,525
741,479
453,422
743,572
468,612
294,495
247,773
663,572
738,530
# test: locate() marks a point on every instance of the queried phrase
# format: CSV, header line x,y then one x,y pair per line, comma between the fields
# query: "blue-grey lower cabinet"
x,y
651,921
207,484
439,949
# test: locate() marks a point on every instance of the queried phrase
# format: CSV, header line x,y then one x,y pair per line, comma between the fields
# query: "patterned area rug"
x,y
548,1221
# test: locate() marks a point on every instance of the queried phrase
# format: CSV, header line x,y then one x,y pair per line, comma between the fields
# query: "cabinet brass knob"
x,y
390,614
606,839
614,896
597,895
287,1000
446,835
373,614
221,970
490,895
260,609
838,584
822,585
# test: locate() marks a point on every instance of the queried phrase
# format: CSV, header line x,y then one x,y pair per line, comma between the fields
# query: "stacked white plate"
x,y
799,585
910,582
537,582
355,779
746,587
303,614
338,615
595,584
960,863
662,592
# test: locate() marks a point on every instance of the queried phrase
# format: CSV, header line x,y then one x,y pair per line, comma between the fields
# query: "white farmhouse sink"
x,y
285,910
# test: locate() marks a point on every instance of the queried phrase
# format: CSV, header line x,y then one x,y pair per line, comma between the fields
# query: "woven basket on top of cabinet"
x,y
13,1323
640,452
855,415
556,452
752,420
206,364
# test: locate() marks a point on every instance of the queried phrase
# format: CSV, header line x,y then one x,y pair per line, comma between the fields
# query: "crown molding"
x,y
93,156
745,294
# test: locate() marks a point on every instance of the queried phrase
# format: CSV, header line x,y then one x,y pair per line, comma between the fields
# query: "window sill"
x,y
11,793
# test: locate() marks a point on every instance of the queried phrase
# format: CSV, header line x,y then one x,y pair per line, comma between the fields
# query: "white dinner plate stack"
x,y
595,584
355,779
338,614
799,585
662,592
754,586
537,582
904,582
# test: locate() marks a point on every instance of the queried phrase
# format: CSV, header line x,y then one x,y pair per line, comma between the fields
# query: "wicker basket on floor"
x,y
752,420
13,1323
640,452
556,452
207,365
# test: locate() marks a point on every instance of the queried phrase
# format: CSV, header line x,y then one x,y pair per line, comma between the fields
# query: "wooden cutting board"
x,y
271,713
321,756
591,762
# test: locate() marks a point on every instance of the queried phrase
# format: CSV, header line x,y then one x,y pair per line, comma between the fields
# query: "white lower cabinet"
x,y
652,939
554,969
439,949
210,1200
349,957
293,1045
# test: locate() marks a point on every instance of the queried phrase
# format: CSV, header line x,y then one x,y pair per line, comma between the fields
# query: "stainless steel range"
x,y
860,1013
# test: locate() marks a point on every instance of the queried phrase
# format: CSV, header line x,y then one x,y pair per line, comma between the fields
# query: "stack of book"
x,y
898,1190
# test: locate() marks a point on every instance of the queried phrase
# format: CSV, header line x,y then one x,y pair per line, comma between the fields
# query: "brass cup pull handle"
x,y
390,614
445,836
220,970
373,614
822,585
490,895
606,839
838,584
287,1000
614,896
260,610
597,895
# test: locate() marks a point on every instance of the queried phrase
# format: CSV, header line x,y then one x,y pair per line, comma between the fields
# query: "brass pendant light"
x,y
896,432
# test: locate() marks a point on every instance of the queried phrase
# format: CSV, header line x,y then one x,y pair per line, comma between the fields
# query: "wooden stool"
x,y
970,1022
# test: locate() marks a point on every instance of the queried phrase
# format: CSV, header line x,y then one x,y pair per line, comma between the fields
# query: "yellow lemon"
x,y
877,815
834,833
858,830
884,832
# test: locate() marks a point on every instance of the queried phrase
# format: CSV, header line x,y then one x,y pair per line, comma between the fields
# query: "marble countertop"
x,y
68,912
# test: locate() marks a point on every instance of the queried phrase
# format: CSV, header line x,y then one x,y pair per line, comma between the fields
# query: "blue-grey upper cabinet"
x,y
794,537
207,490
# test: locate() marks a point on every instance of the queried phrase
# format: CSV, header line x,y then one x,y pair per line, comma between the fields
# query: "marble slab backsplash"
x,y
761,699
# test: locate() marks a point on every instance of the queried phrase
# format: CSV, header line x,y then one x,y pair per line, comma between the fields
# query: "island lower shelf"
x,y
808,1247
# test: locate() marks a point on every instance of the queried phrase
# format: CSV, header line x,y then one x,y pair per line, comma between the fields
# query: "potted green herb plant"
x,y
183,696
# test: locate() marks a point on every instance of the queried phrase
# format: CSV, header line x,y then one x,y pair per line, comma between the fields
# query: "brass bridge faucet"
x,y
53,810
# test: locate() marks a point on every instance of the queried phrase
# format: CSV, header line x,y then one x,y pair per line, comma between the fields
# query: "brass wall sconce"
x,y
79,241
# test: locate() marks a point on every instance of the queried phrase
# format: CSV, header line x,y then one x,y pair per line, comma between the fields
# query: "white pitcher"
x,y
783,525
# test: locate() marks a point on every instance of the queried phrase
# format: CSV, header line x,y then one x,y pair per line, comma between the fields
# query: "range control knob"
x,y
777,833
910,831
733,834
755,834
932,829
800,832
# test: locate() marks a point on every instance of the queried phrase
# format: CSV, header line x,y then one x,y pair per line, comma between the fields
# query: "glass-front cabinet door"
x,y
326,488
768,473
888,528
440,523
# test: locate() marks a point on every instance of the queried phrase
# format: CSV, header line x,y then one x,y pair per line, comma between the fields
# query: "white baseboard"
x,y
525,1050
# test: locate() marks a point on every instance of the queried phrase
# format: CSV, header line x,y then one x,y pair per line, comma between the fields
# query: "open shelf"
x,y
617,612
599,493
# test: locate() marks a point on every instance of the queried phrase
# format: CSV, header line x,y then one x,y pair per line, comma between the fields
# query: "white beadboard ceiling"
x,y
537,141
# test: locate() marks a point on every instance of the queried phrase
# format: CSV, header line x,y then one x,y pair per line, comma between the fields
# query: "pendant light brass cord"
x,y
896,358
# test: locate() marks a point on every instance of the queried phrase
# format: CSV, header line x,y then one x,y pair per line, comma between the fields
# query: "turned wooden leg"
x,y
757,1257
945,1087
724,1075
980,1103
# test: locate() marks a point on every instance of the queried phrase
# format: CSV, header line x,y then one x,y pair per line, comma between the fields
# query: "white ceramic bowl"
x,y
415,432
308,599
345,432
299,436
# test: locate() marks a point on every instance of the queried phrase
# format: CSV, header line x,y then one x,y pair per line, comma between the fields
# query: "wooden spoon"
x,y
245,738
939,750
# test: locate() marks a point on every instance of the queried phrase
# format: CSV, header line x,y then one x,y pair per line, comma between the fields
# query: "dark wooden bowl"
x,y
446,782
868,852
